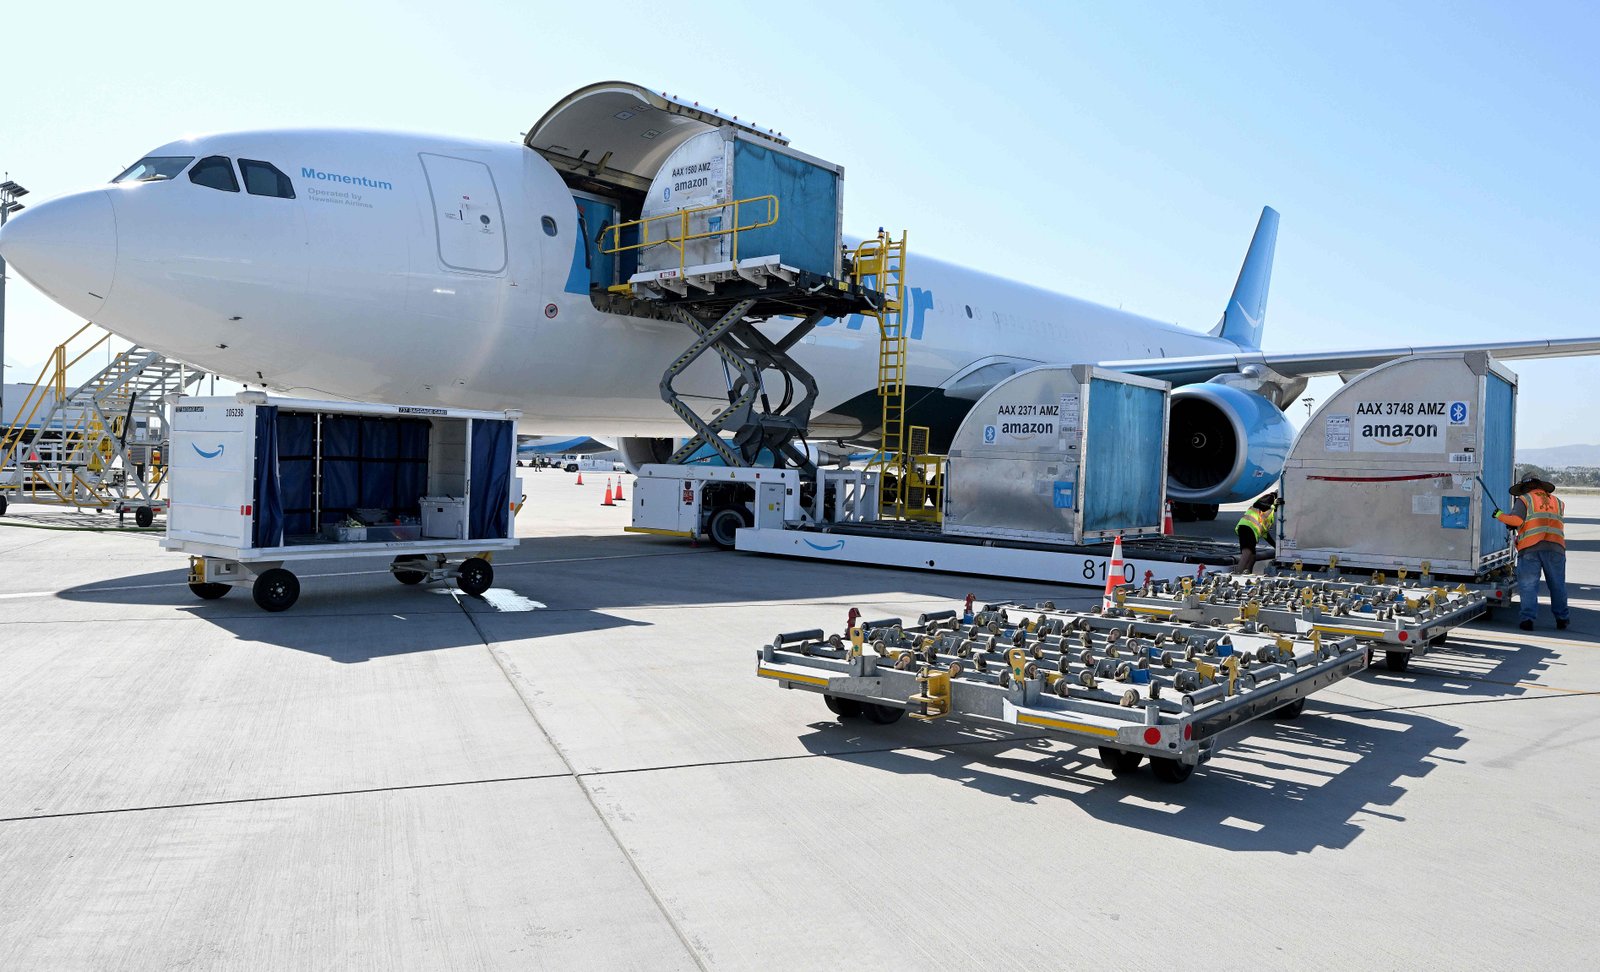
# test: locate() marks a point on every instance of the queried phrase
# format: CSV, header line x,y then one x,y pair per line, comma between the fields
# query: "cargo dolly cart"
x,y
1169,693
259,484
1401,621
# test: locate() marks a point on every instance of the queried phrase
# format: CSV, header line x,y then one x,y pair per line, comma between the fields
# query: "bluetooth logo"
x,y
1458,413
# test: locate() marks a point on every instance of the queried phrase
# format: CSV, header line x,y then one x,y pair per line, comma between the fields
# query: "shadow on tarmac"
x,y
1282,787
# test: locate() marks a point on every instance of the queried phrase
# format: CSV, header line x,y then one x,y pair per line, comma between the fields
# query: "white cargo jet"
x,y
416,269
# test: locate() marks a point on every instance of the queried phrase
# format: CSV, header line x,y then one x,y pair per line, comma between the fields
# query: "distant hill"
x,y
1560,457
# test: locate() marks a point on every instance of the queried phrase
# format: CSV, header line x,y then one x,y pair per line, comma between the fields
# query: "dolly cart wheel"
x,y
1292,710
883,715
843,708
1120,762
2,506
1397,661
1170,770
144,516
474,576
275,590
209,592
409,576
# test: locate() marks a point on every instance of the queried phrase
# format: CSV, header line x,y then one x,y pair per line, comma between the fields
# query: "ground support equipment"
x,y
1137,689
1401,619
276,588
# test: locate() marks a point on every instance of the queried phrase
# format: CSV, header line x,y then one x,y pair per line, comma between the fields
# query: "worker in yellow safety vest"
x,y
1538,518
1254,526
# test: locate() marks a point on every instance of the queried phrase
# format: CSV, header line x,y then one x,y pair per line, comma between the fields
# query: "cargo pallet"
x,y
1138,690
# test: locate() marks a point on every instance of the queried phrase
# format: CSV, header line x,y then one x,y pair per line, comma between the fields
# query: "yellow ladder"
x,y
880,265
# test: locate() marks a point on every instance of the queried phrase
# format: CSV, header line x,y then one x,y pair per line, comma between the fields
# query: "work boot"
x,y
1561,623
1526,625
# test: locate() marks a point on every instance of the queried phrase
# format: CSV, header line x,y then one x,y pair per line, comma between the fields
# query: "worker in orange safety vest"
x,y
1538,518
1254,526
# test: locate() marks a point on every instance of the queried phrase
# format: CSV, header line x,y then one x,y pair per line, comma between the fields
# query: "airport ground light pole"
x,y
10,192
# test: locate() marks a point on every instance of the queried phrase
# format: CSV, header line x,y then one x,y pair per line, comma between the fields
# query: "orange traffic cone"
x,y
619,489
580,477
1166,521
608,501
1114,576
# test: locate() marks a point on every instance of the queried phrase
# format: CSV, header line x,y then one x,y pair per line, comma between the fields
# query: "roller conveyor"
x,y
1137,689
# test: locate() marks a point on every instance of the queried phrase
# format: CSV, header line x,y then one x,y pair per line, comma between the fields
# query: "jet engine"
x,y
638,451
1224,445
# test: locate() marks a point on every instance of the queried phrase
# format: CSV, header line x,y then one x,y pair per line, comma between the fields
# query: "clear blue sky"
x,y
1435,164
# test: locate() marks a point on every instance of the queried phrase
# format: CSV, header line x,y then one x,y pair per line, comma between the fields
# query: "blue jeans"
x,y
1553,561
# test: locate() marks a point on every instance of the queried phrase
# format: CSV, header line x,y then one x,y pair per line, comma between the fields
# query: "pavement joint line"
x,y
1453,702
588,794
399,788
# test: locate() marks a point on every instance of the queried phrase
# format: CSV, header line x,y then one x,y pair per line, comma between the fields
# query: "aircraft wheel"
x,y
144,516
210,592
275,590
474,576
1205,511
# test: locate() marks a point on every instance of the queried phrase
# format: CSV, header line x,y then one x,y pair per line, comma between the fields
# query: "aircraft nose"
x,y
66,247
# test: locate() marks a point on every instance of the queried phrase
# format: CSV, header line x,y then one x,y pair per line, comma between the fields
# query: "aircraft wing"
x,y
1309,364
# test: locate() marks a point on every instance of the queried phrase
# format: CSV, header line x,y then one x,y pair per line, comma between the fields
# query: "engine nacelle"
x,y
639,451
1224,445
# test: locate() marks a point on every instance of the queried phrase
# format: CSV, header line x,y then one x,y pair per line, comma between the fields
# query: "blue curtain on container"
x,y
267,529
297,462
1499,434
341,467
489,515
806,234
1122,487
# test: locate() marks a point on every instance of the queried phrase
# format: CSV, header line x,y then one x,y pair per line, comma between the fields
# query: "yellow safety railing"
x,y
679,221
880,265
52,378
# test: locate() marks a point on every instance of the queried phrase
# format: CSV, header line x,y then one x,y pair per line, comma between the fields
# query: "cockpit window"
x,y
214,172
264,179
156,168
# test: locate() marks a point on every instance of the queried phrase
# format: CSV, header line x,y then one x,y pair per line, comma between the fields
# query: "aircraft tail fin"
x,y
1245,316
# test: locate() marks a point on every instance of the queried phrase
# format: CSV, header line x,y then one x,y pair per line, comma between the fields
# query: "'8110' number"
x,y
1096,570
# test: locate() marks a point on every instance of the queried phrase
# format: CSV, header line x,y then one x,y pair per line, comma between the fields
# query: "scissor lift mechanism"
x,y
1137,689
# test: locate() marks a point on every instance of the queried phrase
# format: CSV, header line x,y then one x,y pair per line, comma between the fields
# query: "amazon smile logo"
x,y
837,544
208,455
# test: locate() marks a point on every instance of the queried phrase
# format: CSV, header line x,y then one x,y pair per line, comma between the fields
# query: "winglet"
x,y
1247,308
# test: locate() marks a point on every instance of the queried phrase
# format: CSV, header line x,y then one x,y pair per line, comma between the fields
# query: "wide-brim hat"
x,y
1532,482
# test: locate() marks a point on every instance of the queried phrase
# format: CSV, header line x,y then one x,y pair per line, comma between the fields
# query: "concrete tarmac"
x,y
581,770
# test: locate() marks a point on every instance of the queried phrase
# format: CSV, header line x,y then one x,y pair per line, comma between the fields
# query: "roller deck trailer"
x,y
1161,691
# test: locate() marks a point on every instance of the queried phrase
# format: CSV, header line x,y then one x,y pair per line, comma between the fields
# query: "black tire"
x,y
1292,710
474,576
1439,641
3,505
1397,661
144,516
724,521
275,590
210,592
1120,762
409,576
883,715
1205,511
843,708
1170,770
